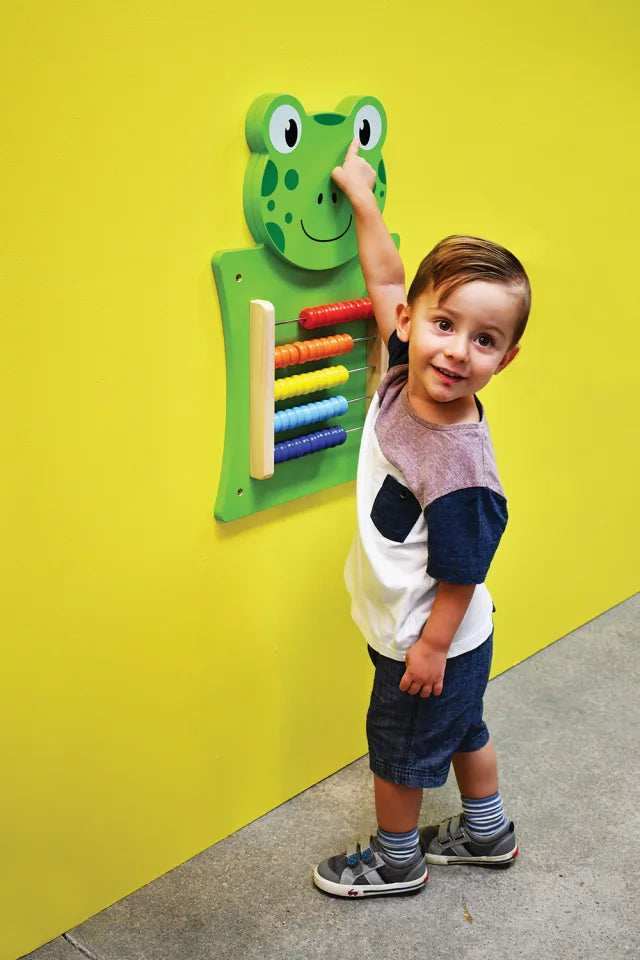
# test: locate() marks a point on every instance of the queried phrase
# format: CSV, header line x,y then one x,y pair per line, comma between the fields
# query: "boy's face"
x,y
457,345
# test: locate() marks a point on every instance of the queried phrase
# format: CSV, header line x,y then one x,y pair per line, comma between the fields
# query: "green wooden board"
x,y
306,255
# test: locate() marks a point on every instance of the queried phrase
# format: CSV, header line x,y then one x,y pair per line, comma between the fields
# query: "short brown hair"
x,y
458,260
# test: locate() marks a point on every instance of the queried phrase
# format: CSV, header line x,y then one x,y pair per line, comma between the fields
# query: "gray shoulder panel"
x,y
434,459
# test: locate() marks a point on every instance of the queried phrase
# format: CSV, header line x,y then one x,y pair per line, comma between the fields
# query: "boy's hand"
x,y
425,670
355,177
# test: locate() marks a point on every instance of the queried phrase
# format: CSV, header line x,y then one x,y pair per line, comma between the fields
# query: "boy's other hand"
x,y
355,177
425,670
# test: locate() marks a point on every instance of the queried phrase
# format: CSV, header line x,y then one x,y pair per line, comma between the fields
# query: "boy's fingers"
x,y
354,146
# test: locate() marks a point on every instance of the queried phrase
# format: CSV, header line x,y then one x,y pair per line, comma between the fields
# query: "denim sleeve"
x,y
464,530
398,351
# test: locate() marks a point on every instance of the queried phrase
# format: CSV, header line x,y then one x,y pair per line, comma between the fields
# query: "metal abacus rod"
x,y
311,443
307,413
310,382
304,351
328,314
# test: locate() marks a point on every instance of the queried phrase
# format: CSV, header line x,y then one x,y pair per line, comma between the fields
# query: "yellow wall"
x,y
166,679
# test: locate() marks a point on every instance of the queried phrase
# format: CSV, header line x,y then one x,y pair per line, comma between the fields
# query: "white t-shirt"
x,y
430,508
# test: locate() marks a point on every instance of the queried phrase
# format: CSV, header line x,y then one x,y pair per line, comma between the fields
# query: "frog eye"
x,y
285,128
367,126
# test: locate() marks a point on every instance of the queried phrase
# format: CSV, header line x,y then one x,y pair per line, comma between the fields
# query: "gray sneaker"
x,y
364,871
450,842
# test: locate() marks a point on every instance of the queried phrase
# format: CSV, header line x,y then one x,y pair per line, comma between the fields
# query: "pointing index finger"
x,y
354,146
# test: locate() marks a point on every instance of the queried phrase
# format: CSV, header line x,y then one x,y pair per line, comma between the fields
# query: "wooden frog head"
x,y
291,204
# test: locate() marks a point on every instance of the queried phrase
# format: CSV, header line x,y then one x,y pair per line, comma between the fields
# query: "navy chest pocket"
x,y
395,510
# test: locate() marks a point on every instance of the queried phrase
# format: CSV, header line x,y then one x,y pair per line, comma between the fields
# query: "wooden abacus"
x,y
266,389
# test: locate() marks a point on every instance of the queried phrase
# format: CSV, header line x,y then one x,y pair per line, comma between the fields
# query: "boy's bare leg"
x,y
397,806
477,772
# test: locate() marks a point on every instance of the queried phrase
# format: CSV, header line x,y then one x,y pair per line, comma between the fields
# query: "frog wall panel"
x,y
305,255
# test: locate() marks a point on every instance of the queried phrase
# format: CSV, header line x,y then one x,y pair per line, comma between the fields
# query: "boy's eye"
x,y
443,325
485,340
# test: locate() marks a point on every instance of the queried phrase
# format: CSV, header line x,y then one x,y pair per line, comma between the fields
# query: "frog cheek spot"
x,y
269,179
276,235
291,179
327,239
382,173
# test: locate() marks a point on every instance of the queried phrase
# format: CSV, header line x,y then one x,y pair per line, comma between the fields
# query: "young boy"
x,y
431,513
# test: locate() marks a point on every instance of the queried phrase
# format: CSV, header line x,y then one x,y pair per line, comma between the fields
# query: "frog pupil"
x,y
365,133
291,133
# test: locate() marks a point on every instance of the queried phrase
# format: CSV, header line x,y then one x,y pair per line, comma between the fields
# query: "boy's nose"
x,y
457,348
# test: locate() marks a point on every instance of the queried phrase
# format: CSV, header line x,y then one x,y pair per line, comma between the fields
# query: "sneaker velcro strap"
x,y
450,830
361,851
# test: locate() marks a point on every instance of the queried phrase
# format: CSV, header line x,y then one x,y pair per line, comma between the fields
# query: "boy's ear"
x,y
510,355
403,322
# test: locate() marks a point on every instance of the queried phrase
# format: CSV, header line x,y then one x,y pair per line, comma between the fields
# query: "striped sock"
x,y
398,847
485,817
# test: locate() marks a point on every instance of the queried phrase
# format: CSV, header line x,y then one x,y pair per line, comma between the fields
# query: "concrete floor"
x,y
566,726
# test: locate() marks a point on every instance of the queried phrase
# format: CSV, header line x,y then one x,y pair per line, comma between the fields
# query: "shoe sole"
x,y
374,890
505,860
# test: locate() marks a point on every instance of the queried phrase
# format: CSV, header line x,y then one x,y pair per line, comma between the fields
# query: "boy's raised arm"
x,y
382,267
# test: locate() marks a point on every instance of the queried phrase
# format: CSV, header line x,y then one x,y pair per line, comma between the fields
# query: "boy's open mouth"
x,y
447,373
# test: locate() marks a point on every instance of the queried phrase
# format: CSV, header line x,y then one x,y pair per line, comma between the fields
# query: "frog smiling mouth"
x,y
328,239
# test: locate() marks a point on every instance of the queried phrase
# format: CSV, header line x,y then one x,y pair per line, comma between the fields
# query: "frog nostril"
x,y
334,197
319,198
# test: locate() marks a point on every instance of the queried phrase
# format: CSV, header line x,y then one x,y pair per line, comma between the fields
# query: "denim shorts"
x,y
411,738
